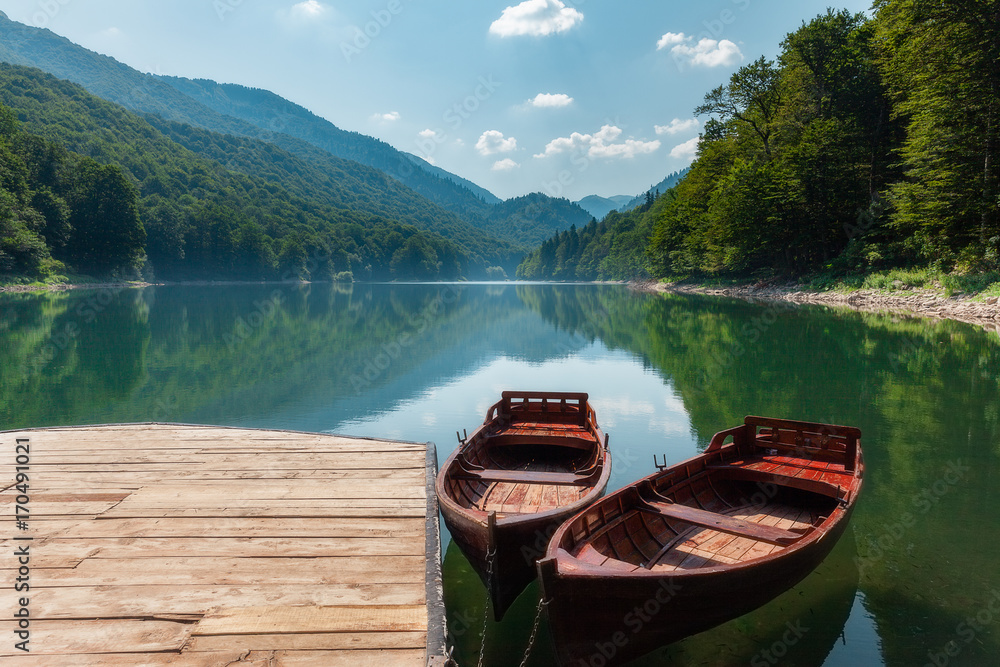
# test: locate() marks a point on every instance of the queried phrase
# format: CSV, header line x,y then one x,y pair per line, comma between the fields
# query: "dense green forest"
x,y
355,162
189,214
869,144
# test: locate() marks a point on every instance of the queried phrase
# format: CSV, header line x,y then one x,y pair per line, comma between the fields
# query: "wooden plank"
x,y
201,659
339,641
62,480
399,658
236,571
183,494
216,547
259,460
169,523
234,527
292,512
68,637
527,477
116,601
308,620
724,523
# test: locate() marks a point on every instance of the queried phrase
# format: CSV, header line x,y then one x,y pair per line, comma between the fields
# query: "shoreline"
x,y
914,303
66,287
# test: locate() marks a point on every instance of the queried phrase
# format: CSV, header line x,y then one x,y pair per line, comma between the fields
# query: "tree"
x,y
753,97
942,63
107,234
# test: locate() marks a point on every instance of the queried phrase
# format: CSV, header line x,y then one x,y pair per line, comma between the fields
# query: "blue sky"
x,y
566,97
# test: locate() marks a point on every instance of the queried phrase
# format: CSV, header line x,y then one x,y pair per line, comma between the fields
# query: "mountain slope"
x,y
661,187
264,116
601,206
275,114
535,217
207,220
229,109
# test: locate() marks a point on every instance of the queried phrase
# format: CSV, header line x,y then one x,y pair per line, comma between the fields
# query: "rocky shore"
x,y
915,302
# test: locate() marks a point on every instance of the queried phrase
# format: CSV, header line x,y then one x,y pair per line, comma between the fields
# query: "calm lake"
x,y
915,581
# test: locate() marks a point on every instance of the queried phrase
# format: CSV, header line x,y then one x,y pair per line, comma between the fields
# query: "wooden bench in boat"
x,y
528,477
778,479
720,522
530,433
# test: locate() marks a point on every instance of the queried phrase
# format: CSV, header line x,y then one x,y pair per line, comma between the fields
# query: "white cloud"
x,y
548,100
505,165
671,39
390,117
706,53
677,126
428,134
493,142
308,9
600,145
536,18
686,150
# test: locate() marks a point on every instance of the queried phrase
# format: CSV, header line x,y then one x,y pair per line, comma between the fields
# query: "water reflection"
x,y
418,362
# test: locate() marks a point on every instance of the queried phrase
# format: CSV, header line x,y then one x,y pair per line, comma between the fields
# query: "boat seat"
x,y
720,522
812,485
542,437
527,477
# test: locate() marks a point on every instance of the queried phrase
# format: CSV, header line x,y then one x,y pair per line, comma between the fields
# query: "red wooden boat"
x,y
701,542
537,459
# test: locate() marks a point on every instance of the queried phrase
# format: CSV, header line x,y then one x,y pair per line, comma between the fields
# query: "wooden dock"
x,y
158,544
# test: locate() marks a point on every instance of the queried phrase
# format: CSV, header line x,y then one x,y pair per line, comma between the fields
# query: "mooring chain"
x,y
534,630
490,555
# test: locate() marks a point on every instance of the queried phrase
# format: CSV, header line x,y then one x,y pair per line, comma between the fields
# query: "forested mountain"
x,y
534,217
658,189
262,115
871,143
229,109
612,249
601,206
72,158
278,116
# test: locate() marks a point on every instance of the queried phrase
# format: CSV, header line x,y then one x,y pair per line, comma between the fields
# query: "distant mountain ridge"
x,y
261,115
600,206
275,114
661,187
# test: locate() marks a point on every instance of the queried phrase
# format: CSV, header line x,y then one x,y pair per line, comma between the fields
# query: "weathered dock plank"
x,y
156,544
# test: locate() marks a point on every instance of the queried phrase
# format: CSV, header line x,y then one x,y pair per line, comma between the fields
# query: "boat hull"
x,y
700,543
637,615
538,459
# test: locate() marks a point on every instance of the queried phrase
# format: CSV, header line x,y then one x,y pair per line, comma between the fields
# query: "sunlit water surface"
x,y
911,583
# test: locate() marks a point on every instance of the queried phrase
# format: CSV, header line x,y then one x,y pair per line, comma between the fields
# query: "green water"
x,y
911,584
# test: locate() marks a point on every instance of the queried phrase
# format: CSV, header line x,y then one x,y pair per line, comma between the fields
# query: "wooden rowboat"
x,y
537,459
701,542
